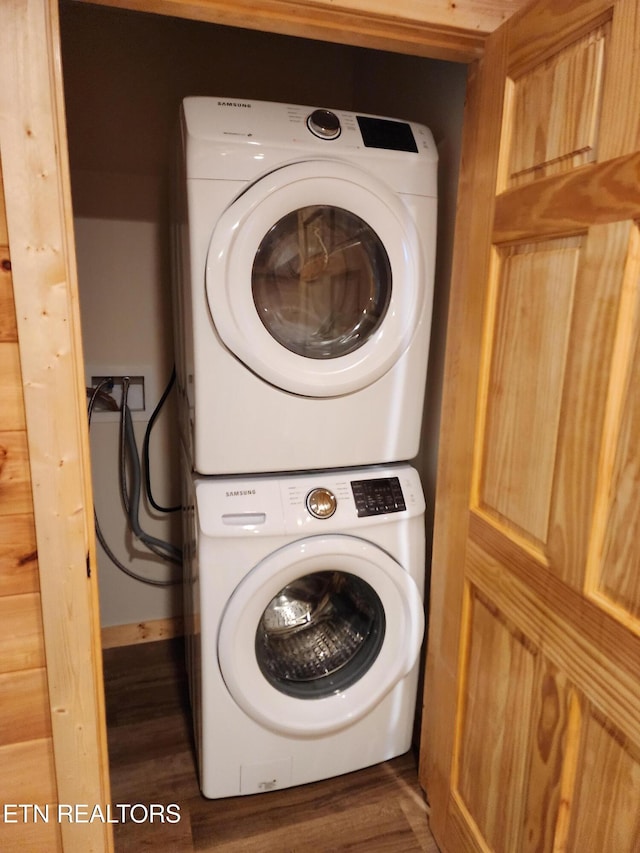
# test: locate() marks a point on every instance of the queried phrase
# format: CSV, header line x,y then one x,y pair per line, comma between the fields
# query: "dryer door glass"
x,y
321,281
320,634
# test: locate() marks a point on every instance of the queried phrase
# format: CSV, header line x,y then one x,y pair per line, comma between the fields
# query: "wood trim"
x,y
583,622
141,632
559,205
440,30
533,39
40,226
478,175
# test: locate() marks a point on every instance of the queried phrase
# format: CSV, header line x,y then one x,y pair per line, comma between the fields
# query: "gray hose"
x,y
111,404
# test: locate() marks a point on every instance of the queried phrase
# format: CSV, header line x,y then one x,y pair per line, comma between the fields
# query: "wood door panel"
x,y
620,565
534,37
549,350
549,132
545,747
593,44
589,360
521,734
534,303
614,569
555,723
540,745
574,634
487,750
606,817
620,119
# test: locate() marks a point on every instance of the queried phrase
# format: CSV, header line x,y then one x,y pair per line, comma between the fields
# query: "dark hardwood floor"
x,y
375,810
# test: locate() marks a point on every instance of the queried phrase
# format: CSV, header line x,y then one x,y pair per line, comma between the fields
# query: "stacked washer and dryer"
x,y
304,244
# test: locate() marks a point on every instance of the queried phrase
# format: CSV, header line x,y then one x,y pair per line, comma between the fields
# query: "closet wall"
x,y
125,75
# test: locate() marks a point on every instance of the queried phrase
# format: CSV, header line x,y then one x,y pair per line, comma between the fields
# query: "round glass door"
x,y
321,281
314,278
317,633
320,634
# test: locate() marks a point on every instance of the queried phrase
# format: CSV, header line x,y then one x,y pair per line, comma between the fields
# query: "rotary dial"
x,y
321,503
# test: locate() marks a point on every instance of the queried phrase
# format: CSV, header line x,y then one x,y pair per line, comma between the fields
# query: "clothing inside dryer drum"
x,y
321,281
320,634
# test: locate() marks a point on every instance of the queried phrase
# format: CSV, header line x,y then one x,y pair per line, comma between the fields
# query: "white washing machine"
x,y
305,243
304,605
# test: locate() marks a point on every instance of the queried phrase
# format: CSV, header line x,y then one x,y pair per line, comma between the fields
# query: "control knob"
x,y
324,124
321,503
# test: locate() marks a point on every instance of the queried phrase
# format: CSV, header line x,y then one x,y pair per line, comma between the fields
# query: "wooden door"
x,y
532,701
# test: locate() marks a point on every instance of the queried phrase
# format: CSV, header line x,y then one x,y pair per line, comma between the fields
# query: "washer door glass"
x,y
320,634
321,281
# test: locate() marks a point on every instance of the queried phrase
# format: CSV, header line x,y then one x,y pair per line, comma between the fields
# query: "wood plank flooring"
x,y
375,810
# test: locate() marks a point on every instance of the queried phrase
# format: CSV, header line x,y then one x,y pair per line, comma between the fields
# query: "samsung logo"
x,y
240,493
234,104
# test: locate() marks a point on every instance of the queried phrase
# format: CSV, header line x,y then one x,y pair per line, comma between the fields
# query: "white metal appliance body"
x,y
247,540
249,401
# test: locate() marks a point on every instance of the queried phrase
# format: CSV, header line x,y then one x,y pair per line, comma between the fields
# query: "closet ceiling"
x,y
441,29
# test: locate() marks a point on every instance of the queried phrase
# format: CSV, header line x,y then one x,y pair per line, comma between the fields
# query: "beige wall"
x,y
125,75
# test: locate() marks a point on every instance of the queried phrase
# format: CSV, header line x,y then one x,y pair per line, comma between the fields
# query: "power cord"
x,y
145,447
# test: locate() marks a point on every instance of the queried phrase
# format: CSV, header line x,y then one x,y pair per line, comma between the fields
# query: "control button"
x,y
324,124
321,503
377,497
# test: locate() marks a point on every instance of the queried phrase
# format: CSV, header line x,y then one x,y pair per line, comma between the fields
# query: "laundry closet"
x,y
533,645
125,75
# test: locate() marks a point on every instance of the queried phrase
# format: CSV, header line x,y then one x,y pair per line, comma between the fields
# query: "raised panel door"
x,y
532,699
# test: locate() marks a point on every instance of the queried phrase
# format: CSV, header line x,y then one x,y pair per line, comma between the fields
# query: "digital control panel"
x,y
387,133
328,501
382,133
375,497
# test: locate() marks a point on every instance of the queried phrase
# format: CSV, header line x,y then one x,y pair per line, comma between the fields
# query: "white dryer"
x,y
305,247
304,605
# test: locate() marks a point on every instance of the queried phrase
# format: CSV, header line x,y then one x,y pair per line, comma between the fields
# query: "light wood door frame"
x,y
40,229
438,29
